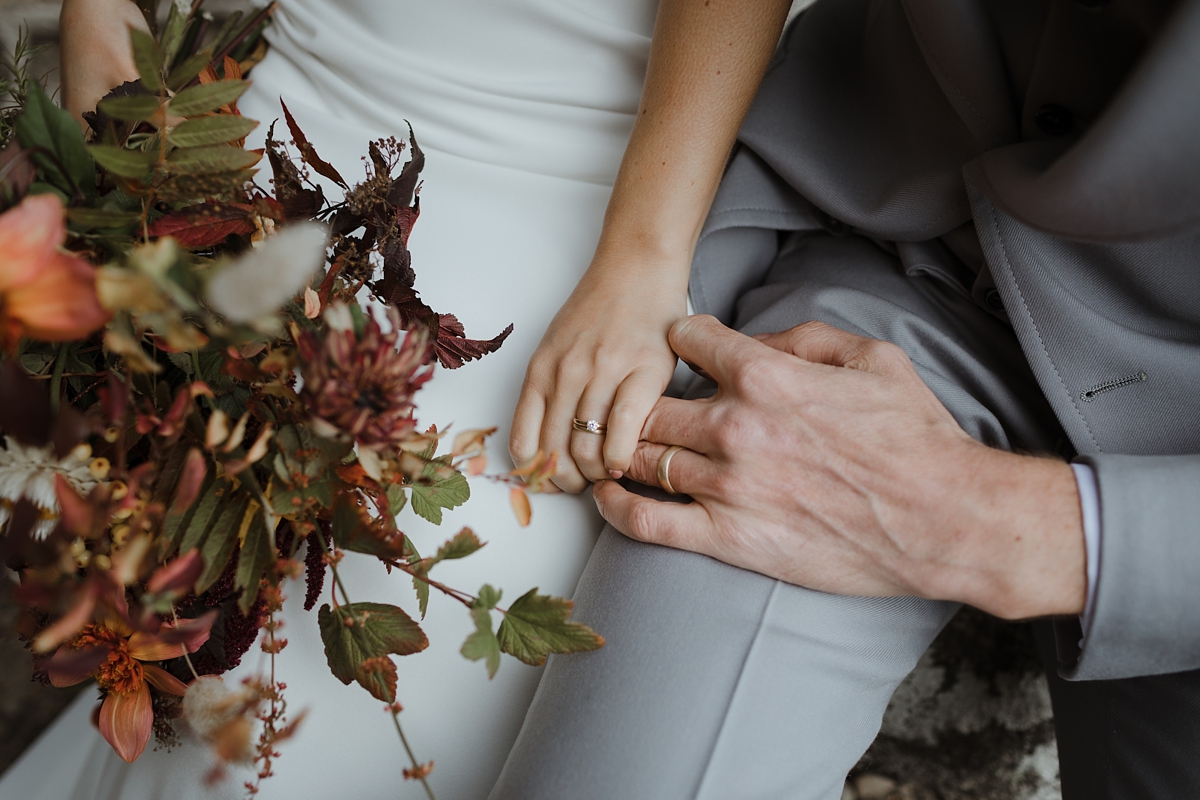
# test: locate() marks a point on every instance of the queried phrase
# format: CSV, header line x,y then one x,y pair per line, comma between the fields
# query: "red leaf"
x,y
205,224
179,409
308,152
178,576
191,478
454,349
71,665
77,515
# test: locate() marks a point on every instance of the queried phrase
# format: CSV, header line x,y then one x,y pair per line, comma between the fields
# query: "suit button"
x,y
1054,120
993,300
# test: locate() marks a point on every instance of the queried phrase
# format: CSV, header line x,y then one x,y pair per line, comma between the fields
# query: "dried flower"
x,y
45,293
219,715
363,386
27,471
127,714
265,278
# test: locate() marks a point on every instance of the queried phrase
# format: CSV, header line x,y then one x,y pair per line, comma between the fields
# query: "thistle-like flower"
x,y
363,385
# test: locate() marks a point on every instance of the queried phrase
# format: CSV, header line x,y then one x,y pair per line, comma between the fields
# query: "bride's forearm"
x,y
95,55
706,61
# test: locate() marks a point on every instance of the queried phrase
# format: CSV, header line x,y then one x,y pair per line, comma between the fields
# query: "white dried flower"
x,y
218,714
262,280
28,472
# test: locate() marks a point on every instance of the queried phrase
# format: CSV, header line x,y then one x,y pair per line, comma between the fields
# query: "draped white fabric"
x,y
523,108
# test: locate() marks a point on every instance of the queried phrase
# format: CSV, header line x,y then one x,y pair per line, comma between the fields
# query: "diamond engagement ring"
x,y
664,468
590,426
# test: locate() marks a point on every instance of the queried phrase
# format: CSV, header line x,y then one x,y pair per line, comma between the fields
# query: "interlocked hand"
x,y
824,460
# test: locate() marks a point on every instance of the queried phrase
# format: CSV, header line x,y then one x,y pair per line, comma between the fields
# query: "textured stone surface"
x,y
973,720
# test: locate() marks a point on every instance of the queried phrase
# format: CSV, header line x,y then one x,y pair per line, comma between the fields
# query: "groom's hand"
x,y
825,461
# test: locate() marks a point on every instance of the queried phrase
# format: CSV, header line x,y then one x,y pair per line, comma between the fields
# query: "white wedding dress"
x,y
523,108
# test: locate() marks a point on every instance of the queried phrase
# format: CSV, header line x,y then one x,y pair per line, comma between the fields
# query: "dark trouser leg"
x,y
1131,739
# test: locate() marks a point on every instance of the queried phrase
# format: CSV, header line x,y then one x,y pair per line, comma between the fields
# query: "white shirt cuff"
x,y
1089,503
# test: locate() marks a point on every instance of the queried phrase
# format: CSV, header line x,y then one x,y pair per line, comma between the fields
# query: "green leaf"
x,y
206,97
173,32
489,596
220,541
210,130
138,108
176,524
428,500
41,187
536,625
135,164
397,498
357,632
355,531
207,160
421,587
148,57
483,644
89,218
208,509
464,543
183,74
42,124
378,676
257,549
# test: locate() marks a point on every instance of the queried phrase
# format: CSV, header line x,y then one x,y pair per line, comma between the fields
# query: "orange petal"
x,y
147,647
70,623
126,721
164,681
172,641
59,303
29,236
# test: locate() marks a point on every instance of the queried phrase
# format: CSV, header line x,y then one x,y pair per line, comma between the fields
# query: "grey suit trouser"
x,y
716,682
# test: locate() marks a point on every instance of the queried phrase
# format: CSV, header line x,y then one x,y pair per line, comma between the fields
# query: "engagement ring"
x,y
590,426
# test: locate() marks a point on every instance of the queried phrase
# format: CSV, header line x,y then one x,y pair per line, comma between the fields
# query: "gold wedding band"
x,y
664,468
590,426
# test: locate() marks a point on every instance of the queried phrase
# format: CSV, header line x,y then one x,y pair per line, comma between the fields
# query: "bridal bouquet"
x,y
207,391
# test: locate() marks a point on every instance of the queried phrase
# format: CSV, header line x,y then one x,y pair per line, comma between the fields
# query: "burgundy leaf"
x,y
297,201
179,575
308,152
454,349
24,406
405,186
191,478
205,224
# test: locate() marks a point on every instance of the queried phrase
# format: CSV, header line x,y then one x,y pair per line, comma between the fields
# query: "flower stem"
x,y
411,757
60,361
186,657
395,714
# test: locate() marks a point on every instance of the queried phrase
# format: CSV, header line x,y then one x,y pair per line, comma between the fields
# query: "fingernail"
x,y
616,474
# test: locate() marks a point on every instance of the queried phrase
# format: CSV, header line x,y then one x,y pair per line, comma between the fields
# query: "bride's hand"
x,y
605,357
96,55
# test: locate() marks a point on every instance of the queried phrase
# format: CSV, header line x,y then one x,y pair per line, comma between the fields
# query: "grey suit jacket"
x,y
1047,154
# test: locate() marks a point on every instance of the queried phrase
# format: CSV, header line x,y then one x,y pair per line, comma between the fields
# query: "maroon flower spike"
x,y
363,385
